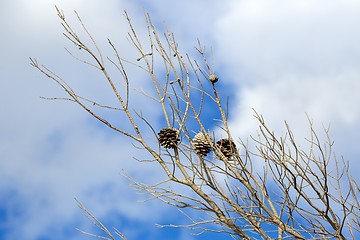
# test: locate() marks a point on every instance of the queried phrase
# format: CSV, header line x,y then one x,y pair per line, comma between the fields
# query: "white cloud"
x,y
52,152
269,39
290,57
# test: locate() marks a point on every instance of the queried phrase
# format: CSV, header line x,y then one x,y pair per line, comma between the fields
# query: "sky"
x,y
285,59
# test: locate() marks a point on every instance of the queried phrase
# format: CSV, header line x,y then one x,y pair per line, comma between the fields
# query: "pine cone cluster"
x,y
226,146
169,137
201,145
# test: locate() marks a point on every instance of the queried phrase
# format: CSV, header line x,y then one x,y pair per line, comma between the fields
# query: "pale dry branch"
x,y
301,193
98,224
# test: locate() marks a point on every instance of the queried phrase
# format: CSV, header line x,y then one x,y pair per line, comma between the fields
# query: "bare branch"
x,y
300,193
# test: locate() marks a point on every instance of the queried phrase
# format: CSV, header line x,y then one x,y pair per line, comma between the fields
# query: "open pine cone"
x,y
201,145
226,146
169,137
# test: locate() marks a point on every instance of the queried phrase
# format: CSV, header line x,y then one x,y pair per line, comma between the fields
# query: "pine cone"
x,y
226,146
213,78
201,145
169,137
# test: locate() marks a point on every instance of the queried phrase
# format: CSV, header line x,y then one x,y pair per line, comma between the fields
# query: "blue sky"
x,y
283,58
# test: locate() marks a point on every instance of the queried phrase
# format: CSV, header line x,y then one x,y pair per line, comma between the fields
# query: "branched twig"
x,y
300,194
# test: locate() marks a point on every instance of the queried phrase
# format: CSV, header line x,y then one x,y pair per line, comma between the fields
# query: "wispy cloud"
x,y
291,58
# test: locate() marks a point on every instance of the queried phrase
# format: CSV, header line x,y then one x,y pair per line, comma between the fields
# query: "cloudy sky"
x,y
283,58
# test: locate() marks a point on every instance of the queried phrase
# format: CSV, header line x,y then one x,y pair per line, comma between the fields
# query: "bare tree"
x,y
301,193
